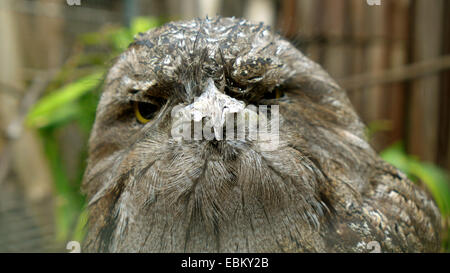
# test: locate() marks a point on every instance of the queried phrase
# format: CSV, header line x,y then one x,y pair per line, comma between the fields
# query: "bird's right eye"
x,y
145,111
275,94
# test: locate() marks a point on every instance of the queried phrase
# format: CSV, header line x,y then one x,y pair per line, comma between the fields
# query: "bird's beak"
x,y
212,107
216,110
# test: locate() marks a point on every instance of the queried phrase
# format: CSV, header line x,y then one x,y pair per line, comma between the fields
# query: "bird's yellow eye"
x,y
279,93
144,111
275,94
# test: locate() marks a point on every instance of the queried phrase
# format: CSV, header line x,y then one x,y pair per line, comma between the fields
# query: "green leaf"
x,y
397,157
143,24
121,39
58,105
437,182
80,229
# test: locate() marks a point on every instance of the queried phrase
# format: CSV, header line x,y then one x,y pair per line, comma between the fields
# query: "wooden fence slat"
x,y
423,117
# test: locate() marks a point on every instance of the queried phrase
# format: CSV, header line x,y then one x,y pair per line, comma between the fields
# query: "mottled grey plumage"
x,y
323,189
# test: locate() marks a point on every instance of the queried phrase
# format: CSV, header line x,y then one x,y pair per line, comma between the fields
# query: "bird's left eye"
x,y
275,94
144,111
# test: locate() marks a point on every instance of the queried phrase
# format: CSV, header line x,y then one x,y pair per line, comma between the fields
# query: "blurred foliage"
x,y
71,99
377,126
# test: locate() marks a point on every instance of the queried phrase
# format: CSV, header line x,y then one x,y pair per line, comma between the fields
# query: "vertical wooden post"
x,y
359,36
423,116
444,107
308,28
394,95
28,163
